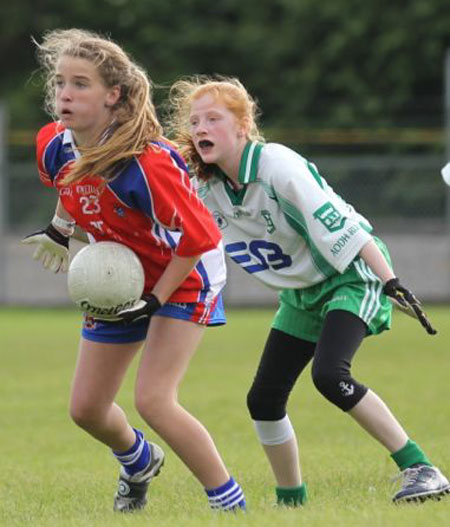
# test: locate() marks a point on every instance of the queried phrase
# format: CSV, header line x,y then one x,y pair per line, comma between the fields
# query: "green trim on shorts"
x,y
358,290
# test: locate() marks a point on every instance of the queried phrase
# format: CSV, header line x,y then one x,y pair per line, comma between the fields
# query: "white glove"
x,y
52,248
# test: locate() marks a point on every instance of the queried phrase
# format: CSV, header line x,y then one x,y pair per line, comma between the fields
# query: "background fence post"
x,y
447,130
3,203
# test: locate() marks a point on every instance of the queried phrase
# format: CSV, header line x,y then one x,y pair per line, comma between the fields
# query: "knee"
x,y
266,404
338,387
151,405
325,382
84,415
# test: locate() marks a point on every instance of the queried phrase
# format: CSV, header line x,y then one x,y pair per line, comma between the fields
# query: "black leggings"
x,y
285,357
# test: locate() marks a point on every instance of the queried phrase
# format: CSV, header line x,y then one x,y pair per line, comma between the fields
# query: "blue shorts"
x,y
212,314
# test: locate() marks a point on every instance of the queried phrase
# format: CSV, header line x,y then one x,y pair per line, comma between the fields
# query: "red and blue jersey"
x,y
150,206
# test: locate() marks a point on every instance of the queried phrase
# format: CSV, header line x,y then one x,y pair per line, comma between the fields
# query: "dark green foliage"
x,y
333,65
328,63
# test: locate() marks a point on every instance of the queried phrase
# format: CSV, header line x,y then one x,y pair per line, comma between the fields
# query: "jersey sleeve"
x,y
43,139
330,227
173,204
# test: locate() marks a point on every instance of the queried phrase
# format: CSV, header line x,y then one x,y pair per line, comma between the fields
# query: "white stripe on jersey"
x,y
215,268
248,166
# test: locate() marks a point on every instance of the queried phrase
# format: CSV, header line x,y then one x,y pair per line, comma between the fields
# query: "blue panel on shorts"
x,y
118,332
114,332
217,316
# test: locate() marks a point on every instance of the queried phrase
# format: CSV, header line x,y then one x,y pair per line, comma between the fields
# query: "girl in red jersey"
x,y
119,180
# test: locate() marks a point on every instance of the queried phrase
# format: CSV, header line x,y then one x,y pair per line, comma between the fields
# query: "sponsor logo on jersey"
x,y
86,189
344,239
221,221
330,217
258,255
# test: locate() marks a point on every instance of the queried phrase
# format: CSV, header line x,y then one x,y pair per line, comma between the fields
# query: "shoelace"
x,y
409,476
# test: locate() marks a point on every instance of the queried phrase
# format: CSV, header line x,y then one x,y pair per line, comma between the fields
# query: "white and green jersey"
x,y
286,226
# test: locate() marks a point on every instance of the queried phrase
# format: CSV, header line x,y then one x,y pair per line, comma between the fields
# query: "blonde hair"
x,y
229,91
135,123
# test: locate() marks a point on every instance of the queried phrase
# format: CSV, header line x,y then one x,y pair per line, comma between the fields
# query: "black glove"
x,y
52,248
145,308
407,302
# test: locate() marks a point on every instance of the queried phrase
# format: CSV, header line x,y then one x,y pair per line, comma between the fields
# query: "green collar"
x,y
248,166
248,169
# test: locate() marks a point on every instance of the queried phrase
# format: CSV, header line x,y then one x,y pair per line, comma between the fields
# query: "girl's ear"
x,y
112,96
244,128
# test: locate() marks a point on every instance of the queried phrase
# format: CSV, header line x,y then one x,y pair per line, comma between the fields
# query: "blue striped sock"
x,y
226,497
137,457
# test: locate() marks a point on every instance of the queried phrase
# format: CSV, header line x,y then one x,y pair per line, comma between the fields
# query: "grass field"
x,y
53,474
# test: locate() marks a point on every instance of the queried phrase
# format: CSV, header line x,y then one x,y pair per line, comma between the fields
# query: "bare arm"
x,y
402,297
175,273
61,212
375,259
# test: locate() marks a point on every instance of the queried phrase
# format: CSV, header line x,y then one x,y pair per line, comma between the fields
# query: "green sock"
x,y
292,496
409,455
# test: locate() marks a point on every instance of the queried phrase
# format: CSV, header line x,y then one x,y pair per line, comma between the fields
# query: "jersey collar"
x,y
68,141
68,137
248,167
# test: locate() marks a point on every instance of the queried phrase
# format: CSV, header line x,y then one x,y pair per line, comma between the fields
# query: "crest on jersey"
x,y
330,217
119,211
270,224
221,221
202,191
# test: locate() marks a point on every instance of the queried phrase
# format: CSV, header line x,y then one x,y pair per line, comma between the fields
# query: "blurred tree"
x,y
312,65
331,63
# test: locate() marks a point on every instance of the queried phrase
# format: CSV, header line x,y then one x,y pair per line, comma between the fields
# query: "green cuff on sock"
x,y
292,496
409,455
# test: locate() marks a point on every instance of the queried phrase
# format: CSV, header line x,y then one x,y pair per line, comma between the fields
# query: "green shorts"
x,y
302,312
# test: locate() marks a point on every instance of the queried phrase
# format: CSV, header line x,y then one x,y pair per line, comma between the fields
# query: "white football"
x,y
104,278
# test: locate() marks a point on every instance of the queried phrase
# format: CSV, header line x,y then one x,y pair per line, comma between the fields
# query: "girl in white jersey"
x,y
283,224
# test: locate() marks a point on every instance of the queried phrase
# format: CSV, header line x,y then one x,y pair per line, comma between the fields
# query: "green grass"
x,y
53,474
